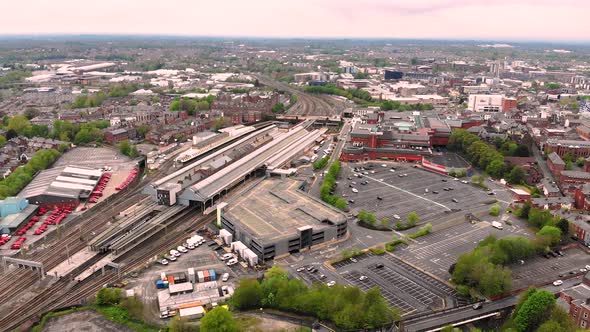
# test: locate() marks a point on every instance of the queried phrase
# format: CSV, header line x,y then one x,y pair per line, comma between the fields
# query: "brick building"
x,y
576,301
555,163
245,108
563,147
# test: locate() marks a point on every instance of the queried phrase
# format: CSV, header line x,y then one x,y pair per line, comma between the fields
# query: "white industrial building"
x,y
485,103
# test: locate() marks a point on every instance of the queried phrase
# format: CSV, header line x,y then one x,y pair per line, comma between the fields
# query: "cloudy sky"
x,y
556,20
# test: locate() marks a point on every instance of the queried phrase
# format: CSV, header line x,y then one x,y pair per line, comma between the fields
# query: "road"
x,y
455,315
542,163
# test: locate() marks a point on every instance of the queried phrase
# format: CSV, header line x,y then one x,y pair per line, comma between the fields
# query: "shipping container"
x,y
170,279
163,276
166,283
207,276
201,276
191,275
160,284
212,275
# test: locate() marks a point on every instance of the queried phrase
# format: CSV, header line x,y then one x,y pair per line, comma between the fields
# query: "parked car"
x,y
225,277
301,269
231,262
557,283
363,278
331,283
164,262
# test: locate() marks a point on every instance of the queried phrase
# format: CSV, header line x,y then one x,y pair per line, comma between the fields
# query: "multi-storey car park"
x,y
275,218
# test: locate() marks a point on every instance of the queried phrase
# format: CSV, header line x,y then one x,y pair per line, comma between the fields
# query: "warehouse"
x,y
275,218
14,212
61,186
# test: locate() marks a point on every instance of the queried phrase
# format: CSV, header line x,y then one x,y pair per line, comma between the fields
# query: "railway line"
x,y
65,292
70,240
306,104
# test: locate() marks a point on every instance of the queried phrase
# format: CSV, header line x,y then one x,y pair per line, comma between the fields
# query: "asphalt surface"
x,y
467,312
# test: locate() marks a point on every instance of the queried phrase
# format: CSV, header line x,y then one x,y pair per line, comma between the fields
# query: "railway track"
x,y
15,282
65,292
306,104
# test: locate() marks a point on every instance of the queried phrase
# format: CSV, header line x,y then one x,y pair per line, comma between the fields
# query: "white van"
x,y
225,277
231,262
226,257
181,249
354,190
396,217
174,253
497,225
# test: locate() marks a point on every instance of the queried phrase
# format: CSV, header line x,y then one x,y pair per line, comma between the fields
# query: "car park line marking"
x,y
403,190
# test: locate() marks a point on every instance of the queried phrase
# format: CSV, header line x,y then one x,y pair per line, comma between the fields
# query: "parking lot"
x,y
436,252
402,285
539,269
399,188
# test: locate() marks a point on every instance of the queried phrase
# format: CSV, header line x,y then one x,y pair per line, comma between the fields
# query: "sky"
x,y
544,20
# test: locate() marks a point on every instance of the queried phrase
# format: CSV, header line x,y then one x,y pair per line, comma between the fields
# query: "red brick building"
x,y
245,108
563,147
509,104
582,197
576,301
584,132
114,136
555,163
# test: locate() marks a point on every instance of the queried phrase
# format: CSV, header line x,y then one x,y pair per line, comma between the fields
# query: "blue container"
x,y
159,284
212,275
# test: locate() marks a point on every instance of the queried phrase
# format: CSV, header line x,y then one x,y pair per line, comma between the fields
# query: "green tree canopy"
x,y
219,320
534,311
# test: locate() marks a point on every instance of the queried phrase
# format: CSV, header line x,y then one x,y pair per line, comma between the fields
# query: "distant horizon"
x,y
491,41
502,20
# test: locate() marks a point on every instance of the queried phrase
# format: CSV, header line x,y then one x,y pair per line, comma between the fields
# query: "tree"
x,y
248,294
31,112
219,320
550,234
134,307
278,107
2,141
534,311
413,218
109,296
179,324
495,210
143,129
516,175
564,225
18,123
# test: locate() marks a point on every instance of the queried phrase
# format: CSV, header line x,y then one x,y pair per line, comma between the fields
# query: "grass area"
x,y
121,316
115,314
391,246
43,321
424,230
377,250
249,323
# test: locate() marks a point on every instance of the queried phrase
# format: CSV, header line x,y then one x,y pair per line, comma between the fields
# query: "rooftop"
x,y
276,208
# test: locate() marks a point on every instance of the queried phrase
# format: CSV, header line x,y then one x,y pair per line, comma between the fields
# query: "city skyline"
x,y
544,20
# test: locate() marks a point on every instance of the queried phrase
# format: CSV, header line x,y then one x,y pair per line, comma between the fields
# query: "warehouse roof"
x,y
276,208
69,182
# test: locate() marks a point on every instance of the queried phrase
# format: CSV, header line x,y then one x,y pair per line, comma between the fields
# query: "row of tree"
x,y
190,105
536,310
67,131
389,105
347,307
484,269
328,186
541,218
22,175
485,156
356,95
89,100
